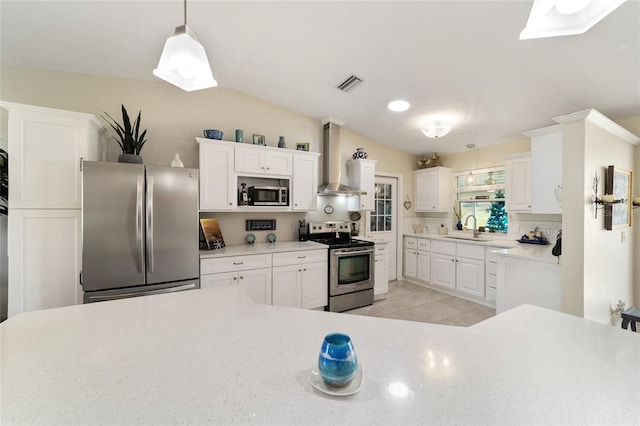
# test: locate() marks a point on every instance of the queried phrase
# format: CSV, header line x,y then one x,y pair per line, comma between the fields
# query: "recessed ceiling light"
x,y
399,105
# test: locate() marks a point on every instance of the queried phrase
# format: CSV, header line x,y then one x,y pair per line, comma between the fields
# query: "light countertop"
x,y
262,248
213,357
538,253
486,239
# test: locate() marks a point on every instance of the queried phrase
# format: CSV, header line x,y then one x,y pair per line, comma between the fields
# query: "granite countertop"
x,y
538,253
211,356
261,248
485,239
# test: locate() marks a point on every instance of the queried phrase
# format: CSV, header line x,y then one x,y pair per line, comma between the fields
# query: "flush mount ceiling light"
x,y
436,128
184,62
551,18
398,105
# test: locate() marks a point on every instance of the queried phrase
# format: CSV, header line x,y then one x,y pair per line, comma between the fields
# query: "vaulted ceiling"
x,y
461,58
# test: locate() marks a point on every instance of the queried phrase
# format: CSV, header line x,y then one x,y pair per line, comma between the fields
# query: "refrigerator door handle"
x,y
101,298
149,223
139,219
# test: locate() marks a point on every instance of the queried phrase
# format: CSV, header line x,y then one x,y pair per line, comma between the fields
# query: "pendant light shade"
x,y
184,62
471,178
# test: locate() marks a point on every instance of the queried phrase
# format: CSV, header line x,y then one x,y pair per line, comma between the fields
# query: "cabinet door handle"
x,y
238,263
241,277
268,168
235,278
301,257
230,204
304,269
299,270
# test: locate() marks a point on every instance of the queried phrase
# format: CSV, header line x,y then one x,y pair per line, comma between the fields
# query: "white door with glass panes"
x,y
383,220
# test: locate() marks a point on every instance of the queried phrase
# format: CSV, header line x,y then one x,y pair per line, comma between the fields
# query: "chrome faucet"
x,y
476,234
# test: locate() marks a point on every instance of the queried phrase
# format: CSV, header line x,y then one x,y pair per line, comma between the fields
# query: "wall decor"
x,y
258,139
618,182
212,233
302,146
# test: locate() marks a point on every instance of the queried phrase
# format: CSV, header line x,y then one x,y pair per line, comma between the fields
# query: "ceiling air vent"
x,y
349,83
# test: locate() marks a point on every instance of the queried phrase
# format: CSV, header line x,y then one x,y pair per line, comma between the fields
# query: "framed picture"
x,y
619,183
258,139
302,146
212,234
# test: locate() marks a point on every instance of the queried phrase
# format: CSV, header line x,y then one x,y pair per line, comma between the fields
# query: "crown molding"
x,y
556,128
602,121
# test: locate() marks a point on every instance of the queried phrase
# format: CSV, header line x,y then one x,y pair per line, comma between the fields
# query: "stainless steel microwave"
x,y
268,196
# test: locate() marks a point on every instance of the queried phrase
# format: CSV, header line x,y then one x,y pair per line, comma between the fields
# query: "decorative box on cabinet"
x,y
381,284
218,188
546,169
252,272
305,181
261,160
518,184
46,147
433,189
300,279
362,175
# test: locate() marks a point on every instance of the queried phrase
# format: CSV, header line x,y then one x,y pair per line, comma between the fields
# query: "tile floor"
x,y
412,302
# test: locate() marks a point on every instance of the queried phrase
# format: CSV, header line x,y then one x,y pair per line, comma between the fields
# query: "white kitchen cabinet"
x,y
518,184
263,160
362,175
381,269
305,181
251,272
300,279
491,268
433,190
546,169
218,186
458,266
423,271
46,147
44,249
410,257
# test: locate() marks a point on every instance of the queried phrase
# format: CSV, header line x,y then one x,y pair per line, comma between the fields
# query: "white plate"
x,y
353,387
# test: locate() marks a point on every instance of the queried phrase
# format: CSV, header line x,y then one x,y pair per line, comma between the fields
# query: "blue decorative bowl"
x,y
212,134
337,361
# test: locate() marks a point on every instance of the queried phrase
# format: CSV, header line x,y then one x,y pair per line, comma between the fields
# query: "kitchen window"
x,y
484,198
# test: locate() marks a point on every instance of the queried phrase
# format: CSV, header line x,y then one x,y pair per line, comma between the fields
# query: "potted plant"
x,y
128,137
459,219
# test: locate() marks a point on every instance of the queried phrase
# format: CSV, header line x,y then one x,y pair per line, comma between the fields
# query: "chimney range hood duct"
x,y
331,164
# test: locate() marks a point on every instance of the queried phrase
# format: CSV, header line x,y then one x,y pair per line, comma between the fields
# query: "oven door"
x,y
350,269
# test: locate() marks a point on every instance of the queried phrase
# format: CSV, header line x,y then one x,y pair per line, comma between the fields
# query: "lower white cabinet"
x,y
491,280
256,282
45,248
381,269
251,272
300,279
423,260
443,270
410,267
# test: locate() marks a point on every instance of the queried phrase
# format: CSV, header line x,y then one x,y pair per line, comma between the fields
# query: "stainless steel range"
x,y
351,271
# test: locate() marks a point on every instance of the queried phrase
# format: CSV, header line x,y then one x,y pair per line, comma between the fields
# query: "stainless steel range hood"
x,y
331,164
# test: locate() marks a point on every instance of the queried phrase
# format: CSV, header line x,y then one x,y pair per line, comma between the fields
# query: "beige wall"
x,y
174,118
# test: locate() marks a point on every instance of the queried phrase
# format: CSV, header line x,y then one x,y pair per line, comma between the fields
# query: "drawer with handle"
x,y
234,263
298,257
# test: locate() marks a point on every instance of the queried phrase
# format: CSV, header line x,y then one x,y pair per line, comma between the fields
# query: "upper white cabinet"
x,y
518,184
217,178
263,161
546,169
434,189
46,147
304,181
362,175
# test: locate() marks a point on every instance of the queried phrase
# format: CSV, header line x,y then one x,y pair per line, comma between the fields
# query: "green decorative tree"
x,y
498,220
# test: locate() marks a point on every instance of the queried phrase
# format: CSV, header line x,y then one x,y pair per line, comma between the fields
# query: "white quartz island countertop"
x,y
213,357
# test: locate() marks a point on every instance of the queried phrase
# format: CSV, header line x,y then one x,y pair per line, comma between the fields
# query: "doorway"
x,y
383,222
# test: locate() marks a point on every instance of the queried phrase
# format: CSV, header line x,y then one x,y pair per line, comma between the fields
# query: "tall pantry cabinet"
x,y
46,149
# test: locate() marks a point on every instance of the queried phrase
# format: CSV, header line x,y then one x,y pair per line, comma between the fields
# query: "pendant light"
x,y
184,62
471,178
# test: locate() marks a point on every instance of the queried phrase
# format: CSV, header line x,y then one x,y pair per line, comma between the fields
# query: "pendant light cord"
x,y
185,13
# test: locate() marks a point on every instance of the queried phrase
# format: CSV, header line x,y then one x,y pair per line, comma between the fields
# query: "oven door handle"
x,y
350,252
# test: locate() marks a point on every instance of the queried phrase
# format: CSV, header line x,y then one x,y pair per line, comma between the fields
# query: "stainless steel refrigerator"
x,y
140,230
